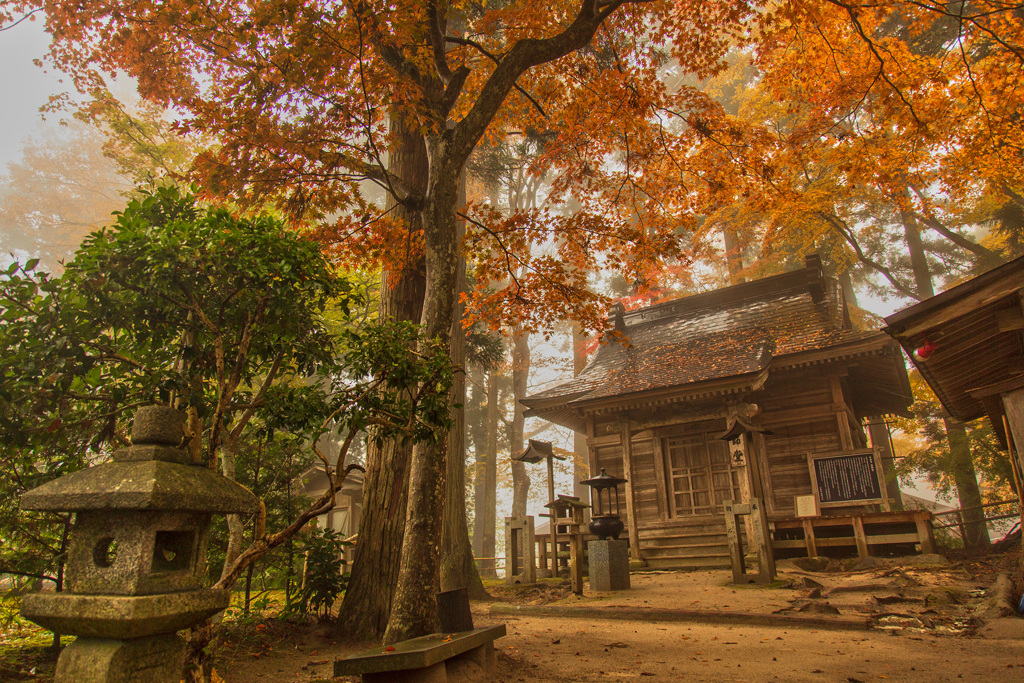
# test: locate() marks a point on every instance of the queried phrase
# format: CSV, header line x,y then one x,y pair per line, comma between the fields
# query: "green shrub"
x,y
325,572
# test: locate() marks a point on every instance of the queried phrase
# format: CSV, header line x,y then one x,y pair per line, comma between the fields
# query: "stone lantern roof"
x,y
153,473
142,485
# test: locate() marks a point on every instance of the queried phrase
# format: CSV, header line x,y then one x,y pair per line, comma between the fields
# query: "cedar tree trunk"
x,y
490,504
367,605
458,570
520,374
967,490
478,431
414,611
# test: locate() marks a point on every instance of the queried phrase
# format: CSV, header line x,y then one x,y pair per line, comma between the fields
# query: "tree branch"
x,y
847,234
525,54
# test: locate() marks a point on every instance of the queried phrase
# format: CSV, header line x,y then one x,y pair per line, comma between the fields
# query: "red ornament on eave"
x,y
925,351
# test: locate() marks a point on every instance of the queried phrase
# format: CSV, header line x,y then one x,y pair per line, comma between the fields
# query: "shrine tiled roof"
x,y
730,333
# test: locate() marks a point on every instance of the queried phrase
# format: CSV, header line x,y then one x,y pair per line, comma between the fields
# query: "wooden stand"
x,y
570,507
879,531
765,560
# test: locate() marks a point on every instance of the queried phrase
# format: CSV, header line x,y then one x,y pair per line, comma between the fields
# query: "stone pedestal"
x,y
609,565
157,659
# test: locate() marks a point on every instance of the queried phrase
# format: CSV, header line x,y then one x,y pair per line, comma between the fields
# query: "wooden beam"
x,y
858,535
627,466
1013,404
925,532
810,542
660,478
949,306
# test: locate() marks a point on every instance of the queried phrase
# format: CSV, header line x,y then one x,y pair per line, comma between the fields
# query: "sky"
x,y
27,87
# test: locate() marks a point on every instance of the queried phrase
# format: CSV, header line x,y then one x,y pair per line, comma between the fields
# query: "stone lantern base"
x,y
609,565
157,659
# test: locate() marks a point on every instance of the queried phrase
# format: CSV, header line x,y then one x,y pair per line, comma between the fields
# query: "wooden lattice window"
x,y
701,476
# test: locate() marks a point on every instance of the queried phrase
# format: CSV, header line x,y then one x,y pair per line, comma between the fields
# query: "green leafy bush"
x,y
325,572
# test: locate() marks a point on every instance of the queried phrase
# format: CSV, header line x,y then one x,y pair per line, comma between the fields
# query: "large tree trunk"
x,y
478,430
520,374
458,570
733,255
414,611
367,605
581,452
964,474
967,489
918,260
490,501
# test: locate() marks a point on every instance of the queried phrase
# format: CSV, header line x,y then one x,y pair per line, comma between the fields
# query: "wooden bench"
x,y
428,659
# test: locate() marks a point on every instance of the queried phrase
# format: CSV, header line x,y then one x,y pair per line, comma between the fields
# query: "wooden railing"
x,y
958,517
855,531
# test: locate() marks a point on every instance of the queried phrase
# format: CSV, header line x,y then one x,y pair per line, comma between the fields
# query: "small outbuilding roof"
x,y
975,338
725,342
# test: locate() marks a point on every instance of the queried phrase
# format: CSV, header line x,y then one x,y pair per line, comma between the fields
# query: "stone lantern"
x,y
136,570
608,557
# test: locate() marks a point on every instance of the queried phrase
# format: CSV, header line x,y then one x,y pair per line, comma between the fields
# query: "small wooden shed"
x,y
757,390
968,344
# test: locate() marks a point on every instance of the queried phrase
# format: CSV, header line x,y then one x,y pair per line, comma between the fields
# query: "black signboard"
x,y
846,478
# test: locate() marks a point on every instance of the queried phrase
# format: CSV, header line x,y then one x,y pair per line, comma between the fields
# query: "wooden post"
x,y
753,466
554,516
842,418
924,532
880,442
661,478
809,540
859,537
1013,404
759,540
766,572
764,472
576,550
732,533
626,438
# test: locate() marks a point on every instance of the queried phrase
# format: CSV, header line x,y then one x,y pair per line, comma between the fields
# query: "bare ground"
x,y
914,622
918,625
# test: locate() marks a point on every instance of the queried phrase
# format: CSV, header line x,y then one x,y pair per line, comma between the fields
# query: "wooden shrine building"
x,y
758,390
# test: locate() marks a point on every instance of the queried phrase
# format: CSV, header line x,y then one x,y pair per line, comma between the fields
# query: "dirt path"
x,y
572,650
916,625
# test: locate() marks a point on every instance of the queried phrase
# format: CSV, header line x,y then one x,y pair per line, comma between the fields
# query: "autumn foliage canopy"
x,y
880,95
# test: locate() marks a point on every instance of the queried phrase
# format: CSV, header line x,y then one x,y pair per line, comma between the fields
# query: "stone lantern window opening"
x,y
174,551
105,552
